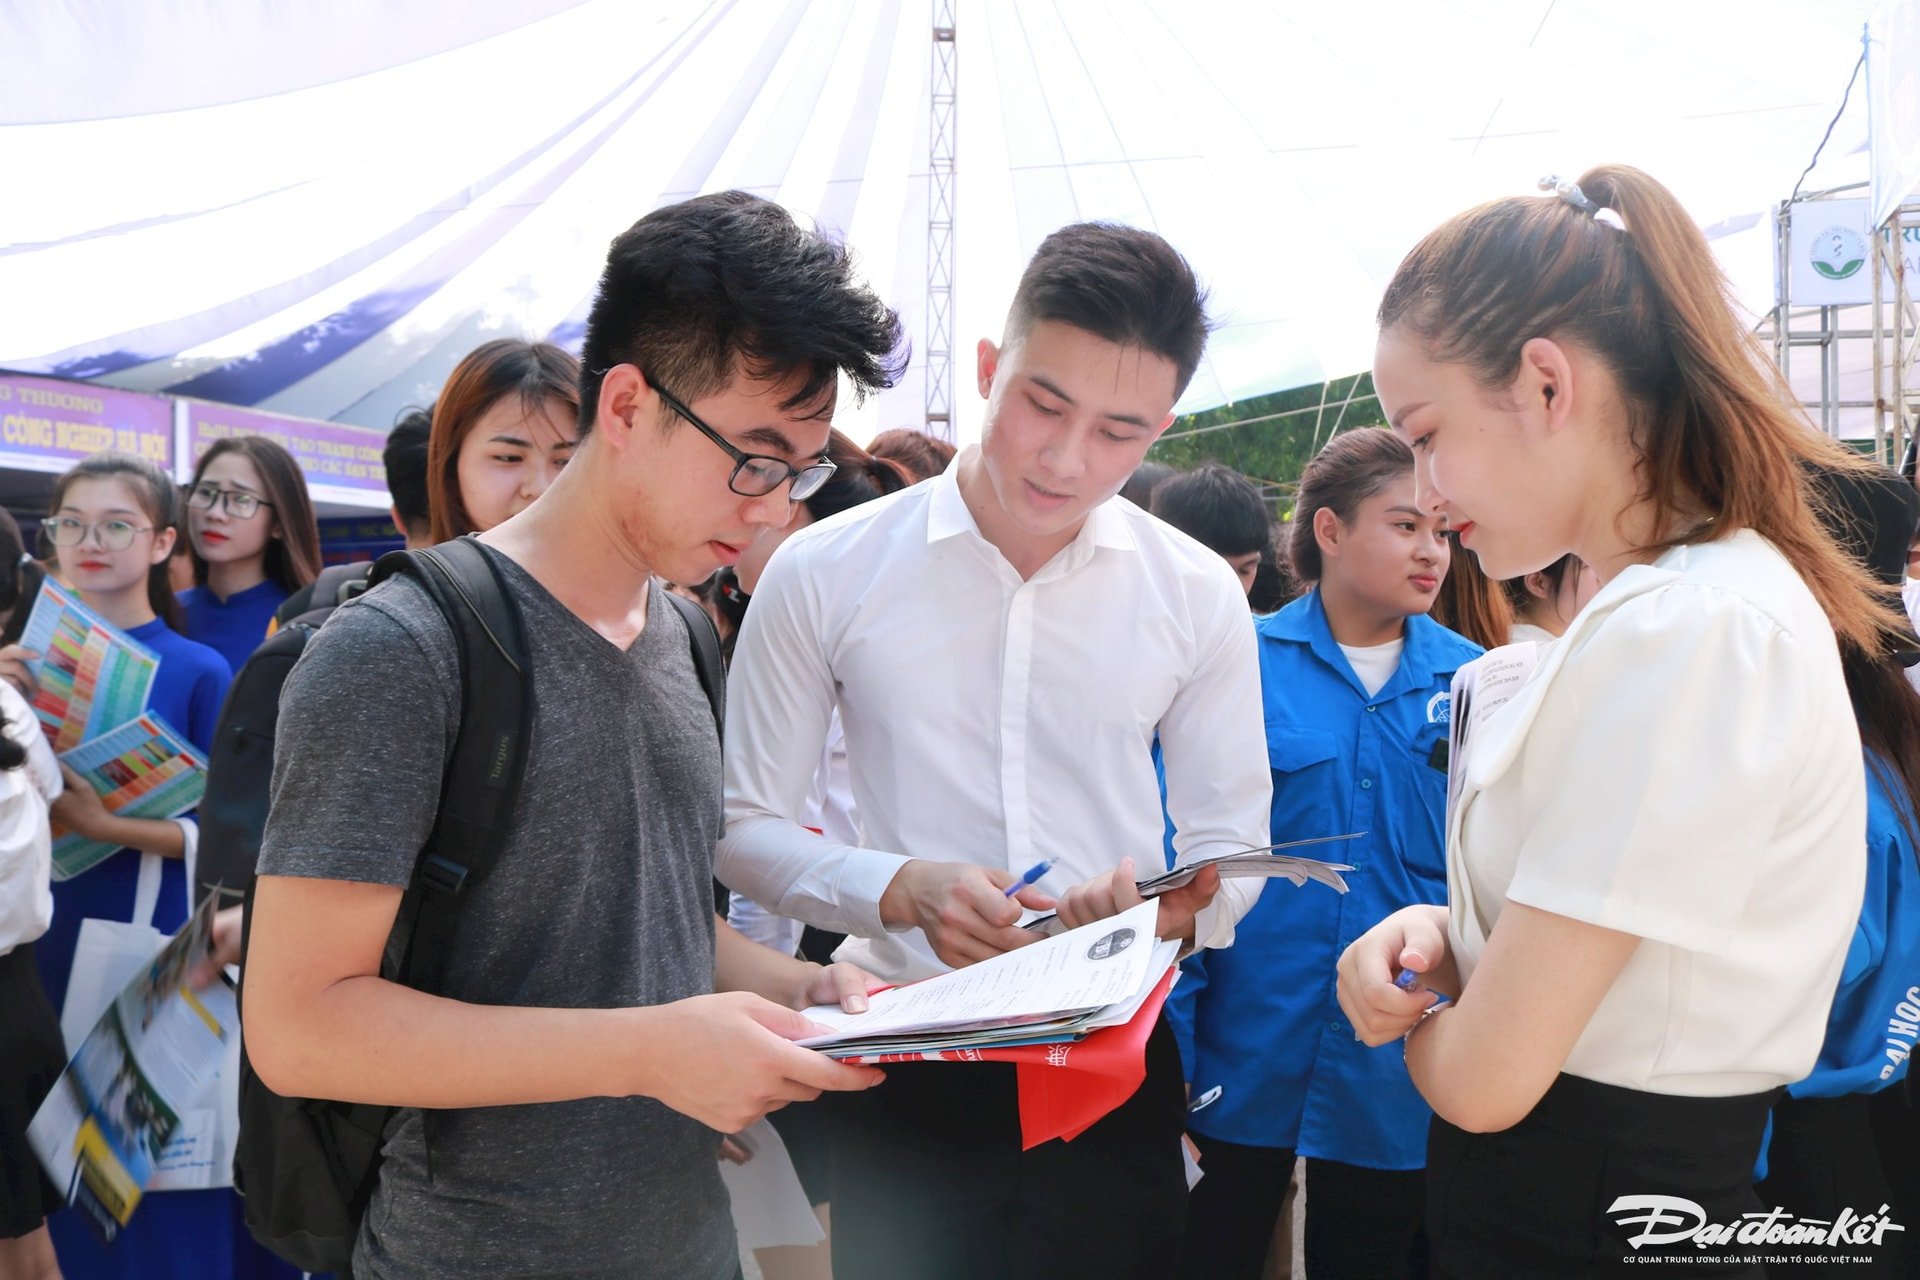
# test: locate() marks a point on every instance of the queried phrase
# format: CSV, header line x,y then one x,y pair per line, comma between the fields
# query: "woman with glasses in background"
x,y
254,543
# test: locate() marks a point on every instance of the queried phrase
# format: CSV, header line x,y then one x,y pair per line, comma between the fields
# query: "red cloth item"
x,y
1067,1088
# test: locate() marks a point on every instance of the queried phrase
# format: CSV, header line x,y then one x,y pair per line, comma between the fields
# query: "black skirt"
x,y
31,1059
1537,1200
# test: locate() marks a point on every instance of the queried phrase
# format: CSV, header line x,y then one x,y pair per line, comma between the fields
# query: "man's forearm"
x,y
741,964
365,1039
798,874
149,835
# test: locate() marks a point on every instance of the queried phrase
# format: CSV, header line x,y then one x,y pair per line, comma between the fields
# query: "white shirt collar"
x,y
947,516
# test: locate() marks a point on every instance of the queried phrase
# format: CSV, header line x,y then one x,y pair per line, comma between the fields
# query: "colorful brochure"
x,y
102,1132
92,675
142,769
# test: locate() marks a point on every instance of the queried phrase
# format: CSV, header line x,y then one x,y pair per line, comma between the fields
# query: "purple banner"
x,y
329,453
48,425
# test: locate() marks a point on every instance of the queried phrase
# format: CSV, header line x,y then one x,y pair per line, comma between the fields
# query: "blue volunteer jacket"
x,y
1259,1020
1875,1018
1876,1011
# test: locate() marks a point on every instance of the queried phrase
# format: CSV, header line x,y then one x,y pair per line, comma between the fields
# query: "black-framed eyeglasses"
x,y
755,474
240,504
115,535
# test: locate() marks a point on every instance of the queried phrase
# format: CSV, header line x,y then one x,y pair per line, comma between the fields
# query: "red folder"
x,y
1067,1088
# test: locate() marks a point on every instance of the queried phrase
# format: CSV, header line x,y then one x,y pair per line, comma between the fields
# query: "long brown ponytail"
x,y
858,477
1717,432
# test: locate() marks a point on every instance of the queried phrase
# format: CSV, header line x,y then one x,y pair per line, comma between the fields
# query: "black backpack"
x,y
306,1168
233,812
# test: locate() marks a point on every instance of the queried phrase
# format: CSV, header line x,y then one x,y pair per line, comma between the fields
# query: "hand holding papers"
x,y
114,1120
1096,975
142,769
1074,1062
91,675
1264,862
92,682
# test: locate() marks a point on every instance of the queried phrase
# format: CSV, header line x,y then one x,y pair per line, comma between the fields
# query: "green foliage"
x,y
1271,438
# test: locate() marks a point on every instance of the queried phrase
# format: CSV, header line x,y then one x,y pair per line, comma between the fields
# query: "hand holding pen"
x,y
967,912
1394,972
1033,873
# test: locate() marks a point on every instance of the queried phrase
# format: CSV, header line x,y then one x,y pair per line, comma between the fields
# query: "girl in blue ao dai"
x,y
113,522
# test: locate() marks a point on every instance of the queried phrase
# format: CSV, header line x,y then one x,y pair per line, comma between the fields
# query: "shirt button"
x,y
1366,784
1373,708
1334,1026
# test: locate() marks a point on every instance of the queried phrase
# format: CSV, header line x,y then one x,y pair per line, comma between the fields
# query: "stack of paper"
x,y
1266,863
1051,992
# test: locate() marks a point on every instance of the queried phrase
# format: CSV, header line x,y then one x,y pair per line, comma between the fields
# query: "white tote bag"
x,y
109,954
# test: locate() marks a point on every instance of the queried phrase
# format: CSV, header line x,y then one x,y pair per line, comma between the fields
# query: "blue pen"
x,y
1407,980
1033,873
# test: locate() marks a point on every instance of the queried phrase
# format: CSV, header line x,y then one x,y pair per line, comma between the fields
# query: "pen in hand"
x,y
1033,873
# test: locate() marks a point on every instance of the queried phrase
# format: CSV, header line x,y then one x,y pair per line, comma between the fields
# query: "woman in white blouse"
x,y
31,1053
1656,857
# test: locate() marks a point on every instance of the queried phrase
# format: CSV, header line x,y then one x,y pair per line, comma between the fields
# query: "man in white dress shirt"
x,y
1003,643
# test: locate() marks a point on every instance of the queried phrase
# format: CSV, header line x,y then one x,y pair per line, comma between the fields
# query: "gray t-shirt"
x,y
602,899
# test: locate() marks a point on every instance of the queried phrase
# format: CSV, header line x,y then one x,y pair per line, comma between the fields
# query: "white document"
x,y
1480,688
769,1206
1265,863
1166,954
1191,1165
1086,968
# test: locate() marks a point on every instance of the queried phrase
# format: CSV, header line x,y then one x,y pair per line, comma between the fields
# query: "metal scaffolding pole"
x,y
1903,389
944,138
1887,322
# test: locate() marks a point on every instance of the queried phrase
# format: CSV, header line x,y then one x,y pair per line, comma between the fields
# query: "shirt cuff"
x,y
862,882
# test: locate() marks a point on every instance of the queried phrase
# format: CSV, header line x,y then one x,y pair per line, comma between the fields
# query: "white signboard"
x,y
1893,104
1829,254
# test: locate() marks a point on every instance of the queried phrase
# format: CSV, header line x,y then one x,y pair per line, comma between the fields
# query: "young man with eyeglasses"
x,y
1003,642
578,1064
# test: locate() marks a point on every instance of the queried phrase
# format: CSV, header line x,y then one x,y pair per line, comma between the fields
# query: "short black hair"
x,y
406,460
1218,507
697,292
1274,585
1119,283
1140,485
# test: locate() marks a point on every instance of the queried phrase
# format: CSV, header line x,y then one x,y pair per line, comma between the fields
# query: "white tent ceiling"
x,y
318,210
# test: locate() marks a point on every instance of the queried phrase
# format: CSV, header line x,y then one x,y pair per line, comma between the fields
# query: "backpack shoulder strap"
x,y
339,583
484,773
706,656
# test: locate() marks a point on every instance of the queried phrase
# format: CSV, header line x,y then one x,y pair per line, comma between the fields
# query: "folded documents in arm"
x,y
1058,989
1479,689
1266,862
